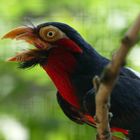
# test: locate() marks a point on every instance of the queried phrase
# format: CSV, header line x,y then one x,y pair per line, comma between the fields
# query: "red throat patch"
x,y
60,65
70,45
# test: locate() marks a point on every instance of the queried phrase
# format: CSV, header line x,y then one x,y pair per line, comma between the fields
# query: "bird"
x,y
71,63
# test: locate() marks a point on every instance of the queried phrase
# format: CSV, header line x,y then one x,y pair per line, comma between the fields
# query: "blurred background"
x,y
28,106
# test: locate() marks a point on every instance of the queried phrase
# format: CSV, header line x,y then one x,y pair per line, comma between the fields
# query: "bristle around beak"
x,y
11,59
22,56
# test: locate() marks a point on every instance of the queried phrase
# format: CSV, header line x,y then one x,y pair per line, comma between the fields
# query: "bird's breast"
x,y
60,66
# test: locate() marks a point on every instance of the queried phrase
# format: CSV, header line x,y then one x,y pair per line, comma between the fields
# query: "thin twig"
x,y
108,80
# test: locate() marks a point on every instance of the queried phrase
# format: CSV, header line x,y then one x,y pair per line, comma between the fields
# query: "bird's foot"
x,y
110,115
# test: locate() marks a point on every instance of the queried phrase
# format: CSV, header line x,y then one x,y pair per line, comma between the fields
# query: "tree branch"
x,y
108,80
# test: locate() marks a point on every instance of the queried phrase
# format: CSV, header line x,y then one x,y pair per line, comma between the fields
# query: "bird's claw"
x,y
110,115
96,82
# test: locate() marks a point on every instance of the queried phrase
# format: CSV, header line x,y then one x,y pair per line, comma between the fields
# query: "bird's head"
x,y
62,53
45,37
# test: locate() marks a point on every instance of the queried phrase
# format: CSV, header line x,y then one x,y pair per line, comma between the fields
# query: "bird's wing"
x,y
125,102
74,114
134,72
69,110
88,102
129,72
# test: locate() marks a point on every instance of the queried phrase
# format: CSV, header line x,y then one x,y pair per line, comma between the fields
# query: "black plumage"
x,y
125,97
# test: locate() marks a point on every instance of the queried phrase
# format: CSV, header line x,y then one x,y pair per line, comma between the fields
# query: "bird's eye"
x,y
50,33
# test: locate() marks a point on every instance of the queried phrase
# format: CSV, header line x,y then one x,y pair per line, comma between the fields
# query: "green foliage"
x,y
29,95
2,136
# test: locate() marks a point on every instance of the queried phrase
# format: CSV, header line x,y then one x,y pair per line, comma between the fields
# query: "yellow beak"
x,y
18,32
27,34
